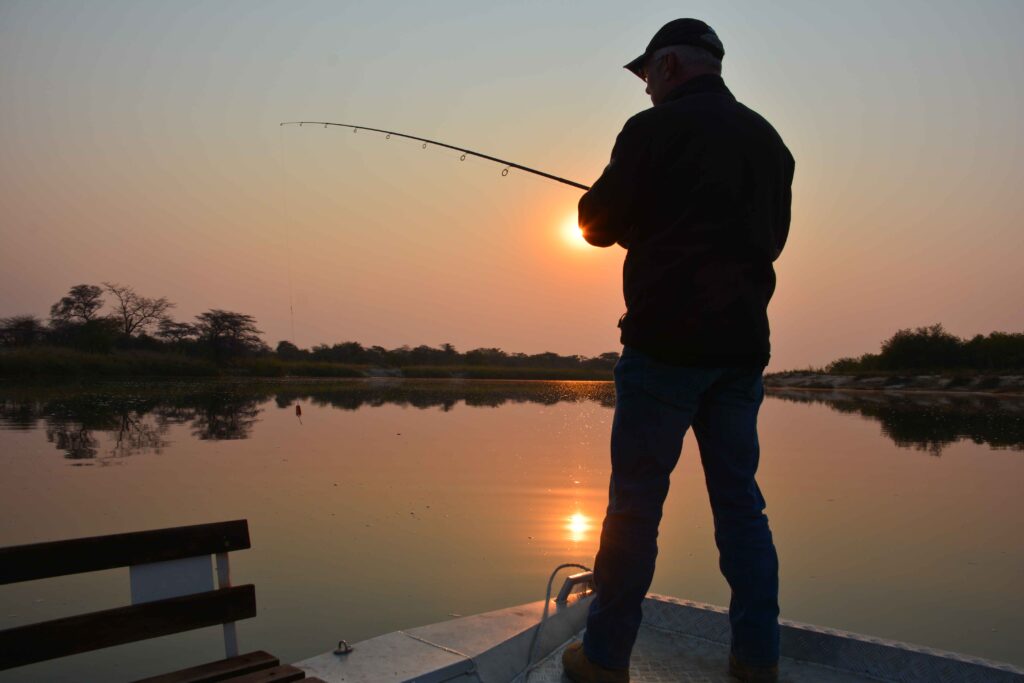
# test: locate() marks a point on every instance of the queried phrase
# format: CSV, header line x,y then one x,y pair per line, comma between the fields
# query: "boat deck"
x,y
680,641
661,655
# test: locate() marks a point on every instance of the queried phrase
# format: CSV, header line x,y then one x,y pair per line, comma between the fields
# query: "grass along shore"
x,y
931,381
53,363
59,363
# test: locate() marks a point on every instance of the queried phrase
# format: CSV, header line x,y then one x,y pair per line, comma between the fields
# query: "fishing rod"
x,y
463,150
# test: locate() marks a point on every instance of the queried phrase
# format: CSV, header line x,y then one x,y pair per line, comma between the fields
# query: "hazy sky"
x,y
139,143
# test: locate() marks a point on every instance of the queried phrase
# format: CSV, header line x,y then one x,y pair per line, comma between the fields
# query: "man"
x,y
698,192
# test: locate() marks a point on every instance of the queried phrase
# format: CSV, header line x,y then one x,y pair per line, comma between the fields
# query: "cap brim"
x,y
637,65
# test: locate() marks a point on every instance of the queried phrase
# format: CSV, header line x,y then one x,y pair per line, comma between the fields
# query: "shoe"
x,y
579,669
753,674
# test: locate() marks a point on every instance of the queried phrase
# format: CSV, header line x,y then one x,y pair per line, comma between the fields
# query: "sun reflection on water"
x,y
578,524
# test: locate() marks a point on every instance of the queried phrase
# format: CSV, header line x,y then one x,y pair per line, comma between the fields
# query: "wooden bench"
x,y
172,591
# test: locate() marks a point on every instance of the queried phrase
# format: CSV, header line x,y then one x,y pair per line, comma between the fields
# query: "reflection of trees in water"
x,y
77,442
929,422
446,395
18,415
137,420
133,424
224,417
139,433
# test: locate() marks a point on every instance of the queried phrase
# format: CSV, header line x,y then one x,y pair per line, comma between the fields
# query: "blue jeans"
x,y
655,405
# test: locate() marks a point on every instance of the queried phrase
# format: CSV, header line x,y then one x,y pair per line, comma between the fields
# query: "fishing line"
x,y
463,152
288,249
530,664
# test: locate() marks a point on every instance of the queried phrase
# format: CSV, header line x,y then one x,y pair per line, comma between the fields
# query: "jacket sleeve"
x,y
786,200
606,211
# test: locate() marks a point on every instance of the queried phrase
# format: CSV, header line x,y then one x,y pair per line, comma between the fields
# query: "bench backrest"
x,y
172,589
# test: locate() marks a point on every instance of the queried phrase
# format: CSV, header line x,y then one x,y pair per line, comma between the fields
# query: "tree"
x,y
923,348
604,361
997,351
486,356
175,332
21,330
98,335
80,305
289,351
135,313
226,333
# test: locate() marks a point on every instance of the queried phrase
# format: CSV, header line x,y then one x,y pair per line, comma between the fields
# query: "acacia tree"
x,y
175,332
135,313
226,333
81,305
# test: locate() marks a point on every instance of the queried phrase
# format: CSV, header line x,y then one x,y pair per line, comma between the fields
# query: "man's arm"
x,y
782,231
606,211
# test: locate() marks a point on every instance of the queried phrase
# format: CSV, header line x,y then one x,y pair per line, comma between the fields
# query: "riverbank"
x,y
48,363
959,383
56,363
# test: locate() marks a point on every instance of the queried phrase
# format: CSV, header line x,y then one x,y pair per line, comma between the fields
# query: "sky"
x,y
140,144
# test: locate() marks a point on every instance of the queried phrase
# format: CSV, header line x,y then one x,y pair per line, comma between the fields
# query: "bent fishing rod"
x,y
426,141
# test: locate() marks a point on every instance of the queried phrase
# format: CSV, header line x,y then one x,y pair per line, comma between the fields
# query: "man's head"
x,y
682,49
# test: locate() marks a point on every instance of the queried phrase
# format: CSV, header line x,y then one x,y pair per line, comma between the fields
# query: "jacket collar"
x,y
699,84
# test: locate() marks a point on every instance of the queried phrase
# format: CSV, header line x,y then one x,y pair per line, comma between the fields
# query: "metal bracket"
x,y
583,578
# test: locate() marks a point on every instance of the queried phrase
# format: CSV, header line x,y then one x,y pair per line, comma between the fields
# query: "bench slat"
x,y
61,637
279,674
76,555
220,670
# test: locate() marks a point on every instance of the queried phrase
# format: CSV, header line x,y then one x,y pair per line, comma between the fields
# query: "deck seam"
x,y
437,645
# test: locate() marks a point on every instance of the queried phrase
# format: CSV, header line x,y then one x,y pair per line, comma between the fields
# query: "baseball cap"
x,y
680,32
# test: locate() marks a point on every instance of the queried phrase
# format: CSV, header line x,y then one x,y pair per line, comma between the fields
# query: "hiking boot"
x,y
579,669
753,674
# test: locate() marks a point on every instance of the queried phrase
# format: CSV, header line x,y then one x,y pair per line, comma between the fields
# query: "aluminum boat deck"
x,y
664,656
680,641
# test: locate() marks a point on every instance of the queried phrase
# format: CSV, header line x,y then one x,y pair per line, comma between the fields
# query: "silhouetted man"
x,y
698,192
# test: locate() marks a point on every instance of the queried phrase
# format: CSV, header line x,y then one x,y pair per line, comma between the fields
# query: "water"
x,y
393,504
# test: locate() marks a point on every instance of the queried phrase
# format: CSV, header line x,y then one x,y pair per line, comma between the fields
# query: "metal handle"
x,y
571,582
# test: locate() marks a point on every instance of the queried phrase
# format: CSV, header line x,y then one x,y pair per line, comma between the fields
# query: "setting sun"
x,y
572,233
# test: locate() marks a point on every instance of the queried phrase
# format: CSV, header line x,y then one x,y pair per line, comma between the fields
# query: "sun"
x,y
571,232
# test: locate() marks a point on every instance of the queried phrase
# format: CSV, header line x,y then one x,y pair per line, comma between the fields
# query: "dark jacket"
x,y
698,192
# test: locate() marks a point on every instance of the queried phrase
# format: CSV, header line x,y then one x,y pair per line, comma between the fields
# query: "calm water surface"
x,y
392,504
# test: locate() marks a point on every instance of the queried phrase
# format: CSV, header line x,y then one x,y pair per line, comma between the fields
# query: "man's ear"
x,y
672,66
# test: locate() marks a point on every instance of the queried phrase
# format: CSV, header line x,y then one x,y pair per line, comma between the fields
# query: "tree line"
x,y
113,317
932,348
81,320
354,353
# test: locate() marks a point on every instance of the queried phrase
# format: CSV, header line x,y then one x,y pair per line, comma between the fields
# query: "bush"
x,y
926,348
50,362
934,349
93,336
275,367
